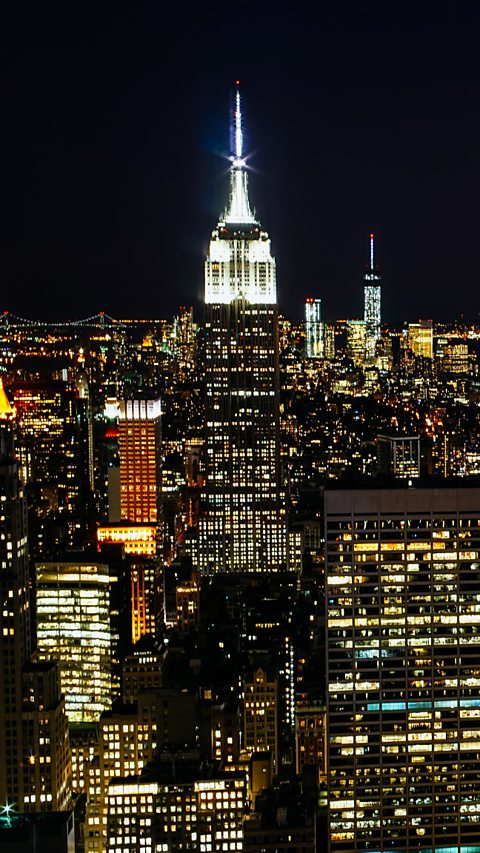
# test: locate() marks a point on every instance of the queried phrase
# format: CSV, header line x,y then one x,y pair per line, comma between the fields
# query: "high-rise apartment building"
x,y
403,669
372,304
244,528
139,435
313,328
73,627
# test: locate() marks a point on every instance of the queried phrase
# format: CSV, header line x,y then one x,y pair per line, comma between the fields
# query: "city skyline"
x,y
114,147
239,430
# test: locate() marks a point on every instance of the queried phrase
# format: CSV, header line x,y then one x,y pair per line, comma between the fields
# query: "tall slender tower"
x,y
244,528
313,328
372,303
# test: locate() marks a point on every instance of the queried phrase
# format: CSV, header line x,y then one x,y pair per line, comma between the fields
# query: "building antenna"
x,y
237,126
372,252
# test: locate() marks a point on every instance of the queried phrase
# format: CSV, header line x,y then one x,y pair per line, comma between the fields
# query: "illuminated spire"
x,y
6,410
239,211
372,252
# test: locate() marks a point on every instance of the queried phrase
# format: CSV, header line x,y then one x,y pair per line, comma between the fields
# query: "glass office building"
x,y
403,664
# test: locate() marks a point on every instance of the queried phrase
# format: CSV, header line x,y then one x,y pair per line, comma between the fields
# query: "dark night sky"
x,y
114,124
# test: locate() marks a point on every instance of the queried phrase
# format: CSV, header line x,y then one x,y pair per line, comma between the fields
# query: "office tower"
x,y
420,338
244,529
329,342
403,668
139,434
260,713
313,328
35,763
399,455
176,806
184,340
73,627
139,428
356,341
455,359
384,353
372,292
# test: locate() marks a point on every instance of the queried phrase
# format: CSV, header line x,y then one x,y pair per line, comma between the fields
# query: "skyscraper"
x,y
73,626
244,529
403,669
372,304
356,341
420,338
313,328
139,434
15,639
35,760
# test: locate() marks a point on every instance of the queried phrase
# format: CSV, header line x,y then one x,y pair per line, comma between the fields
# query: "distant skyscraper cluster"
x,y
364,334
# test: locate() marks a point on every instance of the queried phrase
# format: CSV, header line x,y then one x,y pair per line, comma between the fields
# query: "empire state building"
x,y
244,526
